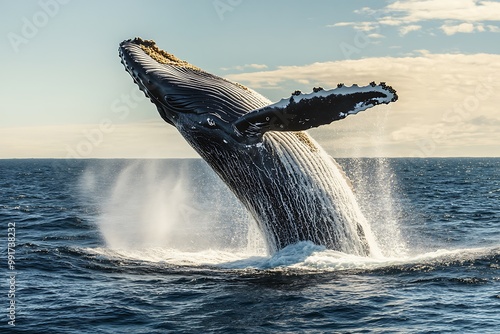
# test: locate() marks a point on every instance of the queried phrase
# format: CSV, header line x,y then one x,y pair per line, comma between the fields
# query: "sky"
x,y
64,93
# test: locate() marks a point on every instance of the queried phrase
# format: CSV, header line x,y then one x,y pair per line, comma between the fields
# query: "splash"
x,y
177,212
165,208
376,191
168,204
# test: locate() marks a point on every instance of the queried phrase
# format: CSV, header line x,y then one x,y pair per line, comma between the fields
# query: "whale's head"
x,y
183,93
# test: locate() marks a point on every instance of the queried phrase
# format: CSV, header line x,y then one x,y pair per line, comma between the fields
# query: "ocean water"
x,y
161,246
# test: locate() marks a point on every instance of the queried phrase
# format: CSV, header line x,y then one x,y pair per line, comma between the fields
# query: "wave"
x,y
303,257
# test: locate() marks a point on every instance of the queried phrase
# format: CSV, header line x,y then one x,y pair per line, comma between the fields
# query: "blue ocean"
x,y
162,246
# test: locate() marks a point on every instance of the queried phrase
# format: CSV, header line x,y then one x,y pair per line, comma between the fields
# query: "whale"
x,y
294,190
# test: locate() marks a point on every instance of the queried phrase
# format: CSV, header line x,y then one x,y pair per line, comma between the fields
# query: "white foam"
x,y
303,256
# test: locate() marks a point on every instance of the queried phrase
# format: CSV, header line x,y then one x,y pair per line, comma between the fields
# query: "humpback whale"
x,y
293,189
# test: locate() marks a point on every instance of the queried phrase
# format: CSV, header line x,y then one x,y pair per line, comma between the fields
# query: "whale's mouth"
x,y
155,71
146,53
150,48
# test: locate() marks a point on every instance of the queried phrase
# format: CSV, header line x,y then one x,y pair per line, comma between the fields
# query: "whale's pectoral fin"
x,y
305,111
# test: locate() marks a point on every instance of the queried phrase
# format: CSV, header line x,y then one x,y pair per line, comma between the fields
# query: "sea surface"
x,y
162,246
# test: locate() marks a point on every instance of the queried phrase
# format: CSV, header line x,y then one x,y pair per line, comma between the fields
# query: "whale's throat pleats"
x,y
294,190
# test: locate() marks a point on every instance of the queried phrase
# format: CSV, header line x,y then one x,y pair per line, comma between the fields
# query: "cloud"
x,y
256,66
460,10
406,29
375,36
485,121
360,26
466,27
493,28
462,27
246,66
458,15
341,24
444,102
